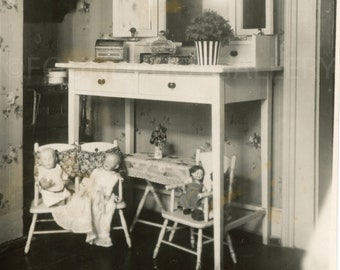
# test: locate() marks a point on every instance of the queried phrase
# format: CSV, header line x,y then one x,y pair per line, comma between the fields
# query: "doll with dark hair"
x,y
189,200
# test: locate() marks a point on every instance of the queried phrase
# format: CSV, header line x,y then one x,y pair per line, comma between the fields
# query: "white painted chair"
x,y
37,206
98,148
178,218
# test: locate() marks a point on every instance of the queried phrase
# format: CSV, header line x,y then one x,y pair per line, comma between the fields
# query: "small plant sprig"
x,y
255,140
209,26
158,136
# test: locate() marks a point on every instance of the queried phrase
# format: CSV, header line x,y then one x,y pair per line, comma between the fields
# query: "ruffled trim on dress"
x,y
99,240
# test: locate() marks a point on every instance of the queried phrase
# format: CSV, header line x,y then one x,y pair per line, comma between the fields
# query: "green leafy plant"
x,y
209,26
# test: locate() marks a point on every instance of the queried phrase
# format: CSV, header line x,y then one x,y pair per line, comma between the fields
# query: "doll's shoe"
x,y
186,211
197,215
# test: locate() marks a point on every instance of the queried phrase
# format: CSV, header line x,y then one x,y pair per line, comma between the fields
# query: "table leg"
x,y
129,126
155,195
73,110
140,207
148,188
266,134
83,119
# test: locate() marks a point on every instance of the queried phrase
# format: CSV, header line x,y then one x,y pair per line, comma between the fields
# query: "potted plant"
x,y
158,139
209,30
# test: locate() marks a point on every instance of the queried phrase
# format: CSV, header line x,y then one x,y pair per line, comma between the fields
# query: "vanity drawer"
x,y
173,86
125,83
256,51
240,54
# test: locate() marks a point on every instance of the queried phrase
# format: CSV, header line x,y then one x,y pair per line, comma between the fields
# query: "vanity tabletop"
x,y
162,68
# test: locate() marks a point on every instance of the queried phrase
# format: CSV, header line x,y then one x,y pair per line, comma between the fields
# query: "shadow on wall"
x,y
38,11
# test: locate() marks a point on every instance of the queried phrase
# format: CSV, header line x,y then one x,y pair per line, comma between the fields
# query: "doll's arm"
x,y
46,183
43,180
65,178
64,175
84,187
118,179
72,186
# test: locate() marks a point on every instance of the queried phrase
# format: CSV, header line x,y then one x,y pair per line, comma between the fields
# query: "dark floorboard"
x,y
70,252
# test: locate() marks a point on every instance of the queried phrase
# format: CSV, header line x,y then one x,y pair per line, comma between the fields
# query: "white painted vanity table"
x,y
214,85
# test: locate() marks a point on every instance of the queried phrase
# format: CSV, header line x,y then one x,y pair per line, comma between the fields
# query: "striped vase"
x,y
207,52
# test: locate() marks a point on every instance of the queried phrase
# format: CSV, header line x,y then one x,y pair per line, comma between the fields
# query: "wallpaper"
x,y
11,18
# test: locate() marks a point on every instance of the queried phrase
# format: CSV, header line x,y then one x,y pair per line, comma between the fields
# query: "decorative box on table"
x,y
167,59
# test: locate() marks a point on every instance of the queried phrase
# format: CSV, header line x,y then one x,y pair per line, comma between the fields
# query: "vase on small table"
x,y
158,152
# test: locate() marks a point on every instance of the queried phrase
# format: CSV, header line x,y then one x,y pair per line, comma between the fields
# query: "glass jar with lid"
x,y
162,45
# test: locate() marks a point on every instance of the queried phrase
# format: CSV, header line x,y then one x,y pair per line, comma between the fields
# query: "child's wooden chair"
x,y
66,156
177,216
95,152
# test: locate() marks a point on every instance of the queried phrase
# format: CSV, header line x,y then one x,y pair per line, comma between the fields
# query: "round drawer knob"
x,y
171,85
101,81
233,53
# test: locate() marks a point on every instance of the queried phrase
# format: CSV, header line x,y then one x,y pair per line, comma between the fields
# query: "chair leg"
x,y
125,228
30,233
231,248
173,230
199,248
192,237
160,238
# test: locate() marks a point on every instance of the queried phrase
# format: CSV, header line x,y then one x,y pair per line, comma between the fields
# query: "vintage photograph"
x,y
169,134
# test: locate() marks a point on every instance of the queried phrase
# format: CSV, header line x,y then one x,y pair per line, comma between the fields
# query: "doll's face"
x,y
111,162
198,175
48,158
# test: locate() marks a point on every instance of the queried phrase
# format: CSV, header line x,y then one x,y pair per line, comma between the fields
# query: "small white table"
x,y
170,170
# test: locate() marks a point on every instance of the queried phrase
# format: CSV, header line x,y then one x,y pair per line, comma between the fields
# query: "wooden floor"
x,y
70,252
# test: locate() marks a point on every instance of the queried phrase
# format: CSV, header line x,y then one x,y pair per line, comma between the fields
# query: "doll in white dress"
x,y
91,209
51,179
100,189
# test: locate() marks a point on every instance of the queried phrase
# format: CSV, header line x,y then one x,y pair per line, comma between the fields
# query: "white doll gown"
x,y
91,209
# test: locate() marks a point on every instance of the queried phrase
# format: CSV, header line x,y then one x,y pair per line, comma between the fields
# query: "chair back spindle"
x,y
231,178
